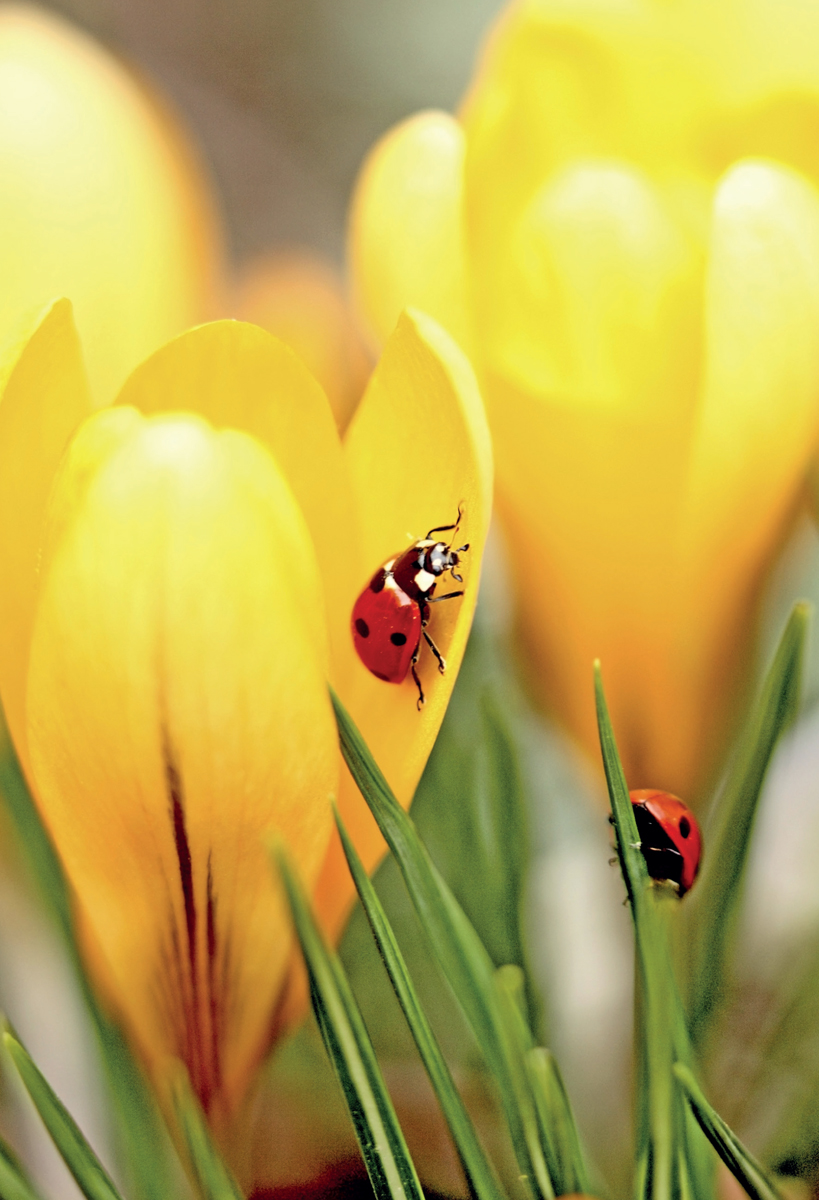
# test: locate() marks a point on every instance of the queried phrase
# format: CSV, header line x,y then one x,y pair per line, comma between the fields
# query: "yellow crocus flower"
x,y
102,198
642,303
179,571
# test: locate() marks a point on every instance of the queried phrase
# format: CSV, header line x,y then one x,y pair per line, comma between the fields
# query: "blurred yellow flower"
x,y
641,299
177,591
102,199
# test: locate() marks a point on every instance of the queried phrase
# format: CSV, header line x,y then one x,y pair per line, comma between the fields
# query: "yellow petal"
x,y
101,200
597,302
564,81
407,235
44,397
417,449
591,380
299,299
759,49
757,421
238,376
177,713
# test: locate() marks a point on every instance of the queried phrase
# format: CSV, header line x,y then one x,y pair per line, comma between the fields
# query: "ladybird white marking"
x,y
424,580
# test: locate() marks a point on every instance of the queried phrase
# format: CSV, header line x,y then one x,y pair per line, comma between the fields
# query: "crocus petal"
x,y
590,390
44,397
564,80
422,403
757,49
757,421
177,712
300,299
407,228
239,376
597,286
101,199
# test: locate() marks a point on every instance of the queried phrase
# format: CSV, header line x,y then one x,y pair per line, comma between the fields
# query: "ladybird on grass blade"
x,y
669,837
390,616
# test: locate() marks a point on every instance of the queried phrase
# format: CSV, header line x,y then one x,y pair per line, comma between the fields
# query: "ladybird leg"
x,y
434,648
448,596
421,701
421,697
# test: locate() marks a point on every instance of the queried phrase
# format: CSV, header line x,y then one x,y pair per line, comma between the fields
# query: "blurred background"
x,y
286,96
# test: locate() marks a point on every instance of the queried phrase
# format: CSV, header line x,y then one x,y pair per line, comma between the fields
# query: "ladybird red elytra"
x,y
390,616
670,837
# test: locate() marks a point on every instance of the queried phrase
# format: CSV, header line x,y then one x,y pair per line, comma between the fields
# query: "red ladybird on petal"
x,y
386,627
390,616
670,837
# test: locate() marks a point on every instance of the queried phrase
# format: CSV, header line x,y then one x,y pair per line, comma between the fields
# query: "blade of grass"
x,y
458,949
480,1176
383,1148
712,917
510,989
664,1033
214,1180
742,1165
140,1137
567,1166
14,1184
470,805
91,1177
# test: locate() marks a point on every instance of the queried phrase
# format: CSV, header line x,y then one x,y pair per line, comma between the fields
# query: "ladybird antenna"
x,y
447,528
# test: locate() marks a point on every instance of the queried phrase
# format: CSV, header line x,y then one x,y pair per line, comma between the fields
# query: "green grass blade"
x,y
664,1032
214,1180
383,1148
712,917
478,1171
632,863
142,1142
510,990
742,1165
91,1177
14,1184
470,804
34,840
567,1166
458,949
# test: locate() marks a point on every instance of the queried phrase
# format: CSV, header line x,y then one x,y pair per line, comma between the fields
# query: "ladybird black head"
x,y
440,558
437,559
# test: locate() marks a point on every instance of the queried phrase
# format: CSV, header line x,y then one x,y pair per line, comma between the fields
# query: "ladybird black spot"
x,y
377,583
685,827
398,639
362,628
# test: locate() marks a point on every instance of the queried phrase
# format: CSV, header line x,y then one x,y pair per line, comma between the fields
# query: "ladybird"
x,y
390,616
670,837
